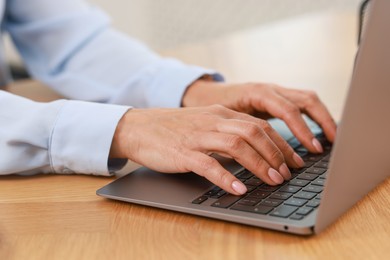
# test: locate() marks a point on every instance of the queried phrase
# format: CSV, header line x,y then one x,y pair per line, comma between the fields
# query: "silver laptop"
x,y
325,188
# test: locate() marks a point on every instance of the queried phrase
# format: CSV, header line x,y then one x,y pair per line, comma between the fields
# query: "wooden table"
x,y
60,217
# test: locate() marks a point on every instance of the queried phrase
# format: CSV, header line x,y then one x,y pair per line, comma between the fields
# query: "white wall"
x,y
168,23
164,24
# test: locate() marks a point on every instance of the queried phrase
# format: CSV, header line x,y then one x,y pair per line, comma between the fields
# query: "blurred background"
x,y
167,24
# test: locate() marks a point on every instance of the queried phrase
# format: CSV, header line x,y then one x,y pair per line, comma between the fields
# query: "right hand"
x,y
182,140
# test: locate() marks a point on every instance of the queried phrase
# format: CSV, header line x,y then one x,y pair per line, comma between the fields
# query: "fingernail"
x,y
283,169
239,187
275,176
317,145
298,160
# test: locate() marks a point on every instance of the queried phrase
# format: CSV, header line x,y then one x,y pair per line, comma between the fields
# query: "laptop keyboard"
x,y
294,199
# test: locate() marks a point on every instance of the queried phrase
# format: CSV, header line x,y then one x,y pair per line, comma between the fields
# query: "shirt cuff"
x,y
171,80
82,135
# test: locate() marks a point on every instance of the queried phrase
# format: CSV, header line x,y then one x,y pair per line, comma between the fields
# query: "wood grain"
x,y
60,217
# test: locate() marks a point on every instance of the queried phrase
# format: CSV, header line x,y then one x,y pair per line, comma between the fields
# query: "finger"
x,y
236,147
293,159
282,108
261,144
212,170
309,103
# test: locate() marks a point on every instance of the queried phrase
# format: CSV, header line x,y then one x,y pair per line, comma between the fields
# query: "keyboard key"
x,y
280,195
199,200
294,175
254,209
313,203
327,147
308,164
290,188
283,211
249,201
322,165
253,181
326,158
250,188
213,191
245,174
313,188
316,170
295,202
226,201
313,157
319,182
260,194
296,216
298,182
304,211
324,175
271,202
305,195
301,151
322,138
266,187
299,170
307,176
218,194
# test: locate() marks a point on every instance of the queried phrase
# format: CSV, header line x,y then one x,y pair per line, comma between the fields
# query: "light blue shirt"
x,y
70,46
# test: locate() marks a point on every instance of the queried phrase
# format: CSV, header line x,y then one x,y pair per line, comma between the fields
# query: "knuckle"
x,y
235,143
286,147
276,155
251,130
217,108
291,111
223,178
311,94
260,163
311,97
266,126
207,164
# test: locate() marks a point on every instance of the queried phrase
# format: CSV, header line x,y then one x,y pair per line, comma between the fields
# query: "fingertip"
x,y
317,145
298,160
239,187
284,171
330,131
275,176
331,137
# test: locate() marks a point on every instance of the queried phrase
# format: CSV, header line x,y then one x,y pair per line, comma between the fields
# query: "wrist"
x,y
119,140
203,92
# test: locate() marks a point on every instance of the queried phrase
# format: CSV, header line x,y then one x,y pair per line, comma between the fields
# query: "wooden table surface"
x,y
60,217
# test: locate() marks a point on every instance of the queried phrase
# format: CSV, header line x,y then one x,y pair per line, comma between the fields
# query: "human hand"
x,y
182,140
265,101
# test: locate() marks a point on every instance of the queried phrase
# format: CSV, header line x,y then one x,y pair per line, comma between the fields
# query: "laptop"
x,y
319,193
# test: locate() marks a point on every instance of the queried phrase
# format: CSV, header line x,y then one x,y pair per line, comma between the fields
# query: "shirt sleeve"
x,y
71,47
59,137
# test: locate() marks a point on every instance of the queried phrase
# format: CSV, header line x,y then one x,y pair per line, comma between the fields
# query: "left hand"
x,y
265,101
